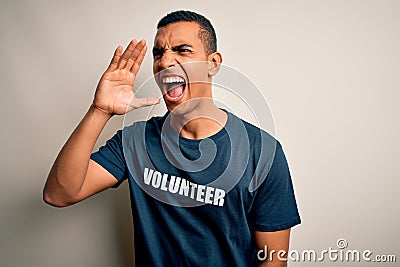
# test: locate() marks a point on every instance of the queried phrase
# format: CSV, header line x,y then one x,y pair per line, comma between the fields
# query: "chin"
x,y
182,108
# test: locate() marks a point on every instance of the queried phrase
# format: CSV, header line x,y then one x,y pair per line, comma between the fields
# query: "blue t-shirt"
x,y
198,202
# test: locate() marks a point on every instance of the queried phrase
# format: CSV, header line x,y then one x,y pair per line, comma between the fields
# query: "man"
x,y
190,191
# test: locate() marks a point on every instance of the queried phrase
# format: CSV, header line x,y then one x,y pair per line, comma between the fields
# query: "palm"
x,y
114,93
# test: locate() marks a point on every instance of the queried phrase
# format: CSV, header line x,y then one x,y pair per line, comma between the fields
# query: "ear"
x,y
215,60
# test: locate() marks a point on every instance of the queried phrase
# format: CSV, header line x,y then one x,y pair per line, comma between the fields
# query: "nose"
x,y
167,60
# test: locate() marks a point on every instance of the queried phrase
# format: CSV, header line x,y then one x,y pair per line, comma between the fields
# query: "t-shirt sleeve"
x,y
274,206
111,157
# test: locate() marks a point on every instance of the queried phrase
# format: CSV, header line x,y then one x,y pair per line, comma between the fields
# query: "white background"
x,y
329,70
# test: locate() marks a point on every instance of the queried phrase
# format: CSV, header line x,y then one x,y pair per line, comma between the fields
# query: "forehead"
x,y
178,32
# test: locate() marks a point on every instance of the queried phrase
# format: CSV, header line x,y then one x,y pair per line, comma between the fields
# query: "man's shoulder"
x,y
254,132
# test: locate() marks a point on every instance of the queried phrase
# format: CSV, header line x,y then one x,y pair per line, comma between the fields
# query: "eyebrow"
x,y
160,50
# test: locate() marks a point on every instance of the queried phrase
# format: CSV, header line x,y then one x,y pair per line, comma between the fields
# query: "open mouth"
x,y
173,87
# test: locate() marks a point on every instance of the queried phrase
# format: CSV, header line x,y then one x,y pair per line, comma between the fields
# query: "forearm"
x,y
68,172
274,246
275,263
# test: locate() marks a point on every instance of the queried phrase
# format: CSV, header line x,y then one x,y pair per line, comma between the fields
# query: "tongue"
x,y
176,91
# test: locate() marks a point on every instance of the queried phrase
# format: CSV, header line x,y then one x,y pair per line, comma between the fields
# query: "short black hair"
x,y
206,34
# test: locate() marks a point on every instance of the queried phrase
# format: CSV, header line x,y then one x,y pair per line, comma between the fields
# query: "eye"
x,y
156,55
185,50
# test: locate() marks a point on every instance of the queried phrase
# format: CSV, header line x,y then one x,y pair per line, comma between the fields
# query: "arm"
x,y
74,176
274,242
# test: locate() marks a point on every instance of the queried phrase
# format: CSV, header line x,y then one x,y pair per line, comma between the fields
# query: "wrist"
x,y
99,112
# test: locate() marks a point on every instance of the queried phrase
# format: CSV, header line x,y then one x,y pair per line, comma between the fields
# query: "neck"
x,y
203,120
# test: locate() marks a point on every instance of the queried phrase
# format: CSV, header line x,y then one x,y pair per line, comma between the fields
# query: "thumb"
x,y
145,101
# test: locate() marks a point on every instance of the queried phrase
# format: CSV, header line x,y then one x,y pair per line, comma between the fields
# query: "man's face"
x,y
176,47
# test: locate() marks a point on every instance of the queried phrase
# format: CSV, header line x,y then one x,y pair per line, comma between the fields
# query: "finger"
x,y
127,54
145,101
114,61
139,59
137,49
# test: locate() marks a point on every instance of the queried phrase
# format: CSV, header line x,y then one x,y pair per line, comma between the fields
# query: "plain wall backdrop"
x,y
329,70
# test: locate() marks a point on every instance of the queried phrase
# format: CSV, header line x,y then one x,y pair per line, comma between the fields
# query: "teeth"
x,y
174,79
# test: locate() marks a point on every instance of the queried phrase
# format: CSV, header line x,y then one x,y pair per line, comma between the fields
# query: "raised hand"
x,y
114,94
